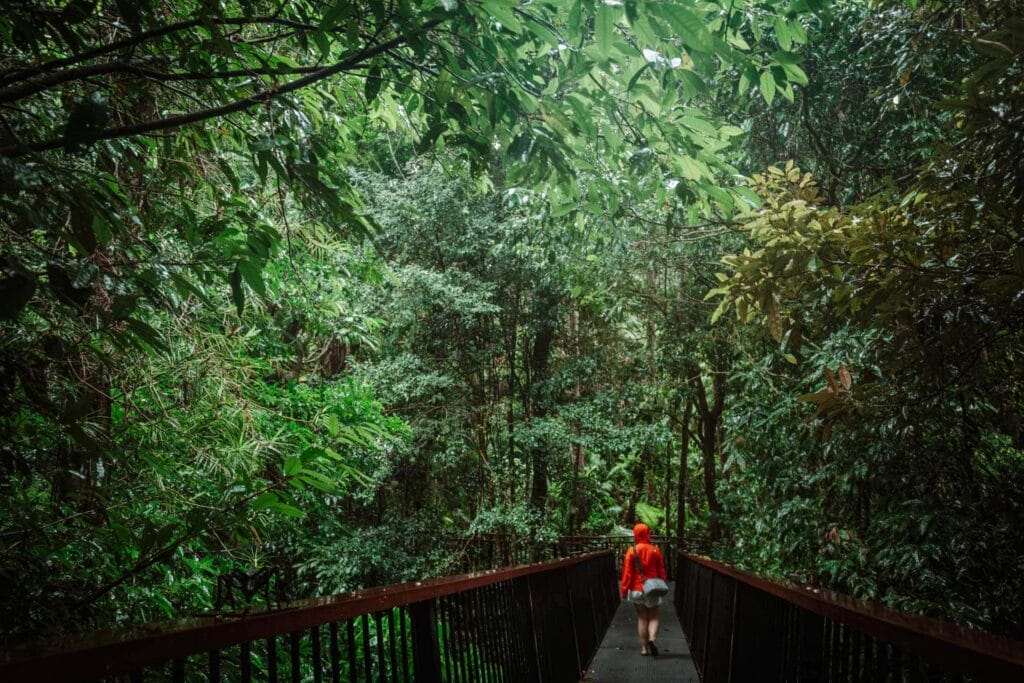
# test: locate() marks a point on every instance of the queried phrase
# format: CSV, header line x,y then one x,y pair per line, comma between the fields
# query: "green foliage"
x,y
322,287
910,302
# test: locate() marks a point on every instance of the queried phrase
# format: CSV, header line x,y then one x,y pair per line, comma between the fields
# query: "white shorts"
x,y
637,598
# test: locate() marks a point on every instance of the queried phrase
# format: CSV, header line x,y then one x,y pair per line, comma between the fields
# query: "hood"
x,y
642,533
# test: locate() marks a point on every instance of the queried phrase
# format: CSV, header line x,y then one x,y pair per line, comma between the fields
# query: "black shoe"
x,y
652,648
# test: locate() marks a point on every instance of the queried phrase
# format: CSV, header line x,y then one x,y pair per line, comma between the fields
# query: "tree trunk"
x,y
684,470
710,478
668,488
709,416
511,343
538,403
577,502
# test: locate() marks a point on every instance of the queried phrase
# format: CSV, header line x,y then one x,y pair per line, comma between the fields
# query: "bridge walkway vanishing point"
x,y
559,621
618,659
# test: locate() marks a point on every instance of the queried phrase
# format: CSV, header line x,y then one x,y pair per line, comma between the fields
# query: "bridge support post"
x,y
426,656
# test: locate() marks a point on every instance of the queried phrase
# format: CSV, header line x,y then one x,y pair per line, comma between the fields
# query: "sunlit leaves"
x,y
603,28
767,86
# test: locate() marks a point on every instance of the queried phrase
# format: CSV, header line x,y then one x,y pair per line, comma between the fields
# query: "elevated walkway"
x,y
618,659
559,621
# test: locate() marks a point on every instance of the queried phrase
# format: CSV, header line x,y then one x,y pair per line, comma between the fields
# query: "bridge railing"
x,y
483,551
528,623
670,547
743,627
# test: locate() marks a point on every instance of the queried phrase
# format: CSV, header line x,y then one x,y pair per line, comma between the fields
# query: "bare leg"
x,y
653,617
642,627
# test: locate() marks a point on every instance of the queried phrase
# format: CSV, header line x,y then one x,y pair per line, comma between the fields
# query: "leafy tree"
x,y
910,302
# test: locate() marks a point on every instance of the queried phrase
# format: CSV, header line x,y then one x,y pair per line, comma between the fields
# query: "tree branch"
x,y
261,97
18,75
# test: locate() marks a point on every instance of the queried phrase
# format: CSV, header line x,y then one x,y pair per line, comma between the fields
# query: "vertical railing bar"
x,y
779,615
393,644
444,638
466,631
381,657
844,654
364,623
489,627
443,650
474,661
294,653
824,646
732,627
493,618
692,590
450,637
403,614
794,642
798,640
779,652
572,622
214,666
917,670
707,625
533,628
426,643
350,643
882,670
335,655
897,663
592,588
506,636
515,600
516,646
494,615
245,661
833,651
271,659
476,639
913,666
482,637
457,617
314,638
855,667
498,619
178,670
869,656
791,641
378,627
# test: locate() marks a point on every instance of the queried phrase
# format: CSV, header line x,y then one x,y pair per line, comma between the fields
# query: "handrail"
x,y
964,650
111,652
878,621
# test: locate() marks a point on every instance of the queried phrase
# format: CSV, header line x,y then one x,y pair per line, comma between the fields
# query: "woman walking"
x,y
651,565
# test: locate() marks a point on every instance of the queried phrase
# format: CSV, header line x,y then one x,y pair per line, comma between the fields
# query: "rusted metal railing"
x,y
483,551
743,627
670,547
538,622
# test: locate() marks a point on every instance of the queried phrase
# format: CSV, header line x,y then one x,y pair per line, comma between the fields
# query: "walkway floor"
x,y
618,660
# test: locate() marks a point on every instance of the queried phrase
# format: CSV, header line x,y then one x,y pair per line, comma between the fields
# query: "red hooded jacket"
x,y
651,561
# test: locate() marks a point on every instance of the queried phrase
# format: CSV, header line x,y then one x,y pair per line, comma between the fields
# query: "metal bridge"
x,y
555,621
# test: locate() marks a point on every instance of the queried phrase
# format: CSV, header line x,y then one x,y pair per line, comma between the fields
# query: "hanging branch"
x,y
18,75
258,98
